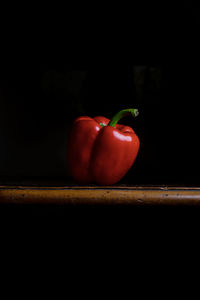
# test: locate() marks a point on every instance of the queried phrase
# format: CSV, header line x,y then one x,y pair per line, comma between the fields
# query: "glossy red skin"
x,y
102,155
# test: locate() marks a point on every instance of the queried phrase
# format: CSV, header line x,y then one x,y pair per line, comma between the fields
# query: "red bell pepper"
x,y
100,150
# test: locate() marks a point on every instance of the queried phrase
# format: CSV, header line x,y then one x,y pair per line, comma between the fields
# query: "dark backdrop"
x,y
154,67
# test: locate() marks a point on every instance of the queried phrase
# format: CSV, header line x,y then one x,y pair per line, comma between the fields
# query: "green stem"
x,y
134,112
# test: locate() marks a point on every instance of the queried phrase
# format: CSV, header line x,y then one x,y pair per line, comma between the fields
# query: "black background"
x,y
92,64
42,53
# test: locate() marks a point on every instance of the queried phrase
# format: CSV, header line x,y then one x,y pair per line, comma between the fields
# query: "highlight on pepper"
x,y
100,150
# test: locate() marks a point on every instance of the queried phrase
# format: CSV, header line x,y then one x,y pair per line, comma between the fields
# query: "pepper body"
x,y
99,153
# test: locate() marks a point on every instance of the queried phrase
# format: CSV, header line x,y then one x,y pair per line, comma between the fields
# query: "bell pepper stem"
x,y
133,111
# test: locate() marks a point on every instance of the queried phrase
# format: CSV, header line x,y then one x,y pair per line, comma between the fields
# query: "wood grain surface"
x,y
91,195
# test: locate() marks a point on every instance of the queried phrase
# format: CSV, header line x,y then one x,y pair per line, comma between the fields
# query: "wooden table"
x,y
91,195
